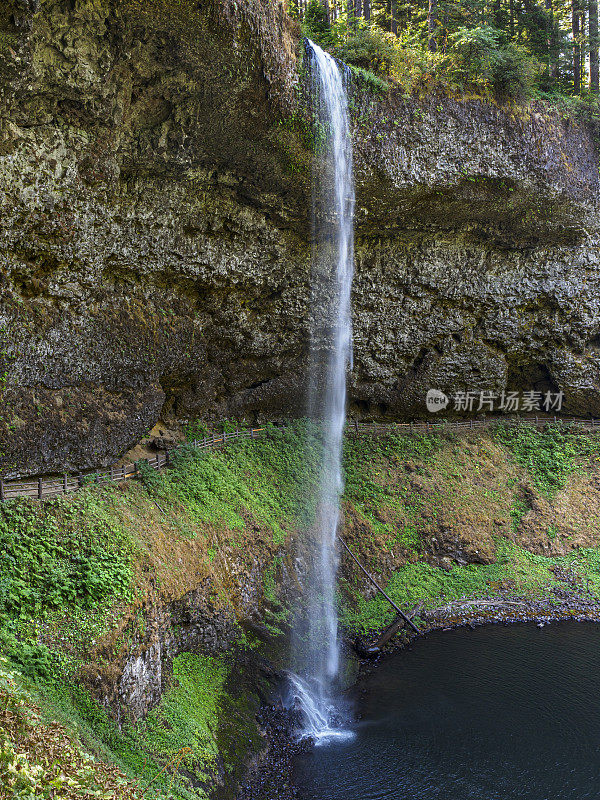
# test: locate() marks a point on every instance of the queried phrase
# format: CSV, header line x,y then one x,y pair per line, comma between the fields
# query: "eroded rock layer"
x,y
155,233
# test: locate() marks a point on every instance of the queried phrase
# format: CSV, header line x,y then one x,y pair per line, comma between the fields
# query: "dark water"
x,y
491,714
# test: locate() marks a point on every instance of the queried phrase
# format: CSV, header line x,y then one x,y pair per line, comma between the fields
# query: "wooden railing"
x,y
40,488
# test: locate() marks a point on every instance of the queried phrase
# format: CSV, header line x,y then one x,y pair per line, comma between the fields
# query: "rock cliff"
x,y
155,233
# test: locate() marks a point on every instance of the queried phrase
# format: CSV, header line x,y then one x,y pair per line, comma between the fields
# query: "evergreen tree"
x,y
543,42
593,26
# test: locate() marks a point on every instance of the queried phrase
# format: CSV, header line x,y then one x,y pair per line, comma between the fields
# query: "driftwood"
x,y
394,626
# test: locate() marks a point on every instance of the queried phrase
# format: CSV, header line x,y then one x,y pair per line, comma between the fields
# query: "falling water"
x,y
333,236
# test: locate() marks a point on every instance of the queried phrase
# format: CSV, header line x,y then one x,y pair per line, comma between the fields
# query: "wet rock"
x,y
155,248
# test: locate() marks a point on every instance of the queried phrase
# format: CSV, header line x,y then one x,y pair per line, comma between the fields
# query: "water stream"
x,y
317,649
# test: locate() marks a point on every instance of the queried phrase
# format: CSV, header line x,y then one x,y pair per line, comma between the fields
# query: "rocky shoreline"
x,y
270,777
543,611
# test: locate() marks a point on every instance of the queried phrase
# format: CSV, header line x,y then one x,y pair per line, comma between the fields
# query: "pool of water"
x,y
497,713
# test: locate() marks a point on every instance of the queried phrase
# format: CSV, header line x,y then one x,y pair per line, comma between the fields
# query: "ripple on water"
x,y
499,713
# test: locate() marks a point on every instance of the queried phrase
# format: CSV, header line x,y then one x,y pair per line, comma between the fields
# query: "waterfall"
x,y
331,355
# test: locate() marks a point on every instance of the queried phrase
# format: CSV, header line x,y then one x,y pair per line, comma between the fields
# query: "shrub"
x,y
479,58
369,79
474,52
370,48
150,477
56,560
514,73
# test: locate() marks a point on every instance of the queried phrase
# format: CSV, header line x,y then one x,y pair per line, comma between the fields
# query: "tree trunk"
x,y
366,9
553,42
594,65
497,14
393,14
432,25
575,20
445,21
511,19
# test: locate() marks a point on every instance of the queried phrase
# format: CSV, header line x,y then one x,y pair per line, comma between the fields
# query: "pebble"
x,y
272,775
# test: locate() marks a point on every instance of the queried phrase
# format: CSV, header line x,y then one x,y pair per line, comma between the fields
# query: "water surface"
x,y
497,713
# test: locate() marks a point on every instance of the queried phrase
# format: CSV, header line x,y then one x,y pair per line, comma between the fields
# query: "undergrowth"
x,y
40,758
549,455
268,478
70,567
174,749
525,573
66,554
371,483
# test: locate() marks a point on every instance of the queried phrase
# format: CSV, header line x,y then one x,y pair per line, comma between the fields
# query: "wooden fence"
x,y
40,488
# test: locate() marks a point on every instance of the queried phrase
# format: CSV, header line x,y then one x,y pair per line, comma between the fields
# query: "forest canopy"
x,y
509,49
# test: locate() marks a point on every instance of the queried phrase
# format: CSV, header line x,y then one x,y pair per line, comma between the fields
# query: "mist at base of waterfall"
x,y
324,719
498,713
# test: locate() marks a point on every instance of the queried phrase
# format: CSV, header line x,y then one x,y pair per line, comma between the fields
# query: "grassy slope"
x,y
76,572
508,505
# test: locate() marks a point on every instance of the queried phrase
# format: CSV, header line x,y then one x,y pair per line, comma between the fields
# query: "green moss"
x,y
187,719
526,573
275,615
549,455
175,748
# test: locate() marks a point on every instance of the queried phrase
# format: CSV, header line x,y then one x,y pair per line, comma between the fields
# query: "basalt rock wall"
x,y
155,233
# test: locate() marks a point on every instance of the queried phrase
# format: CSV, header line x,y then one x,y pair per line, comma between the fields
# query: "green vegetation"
x,y
525,573
549,455
41,759
74,570
175,747
504,51
518,510
77,572
370,466
172,753
70,554
267,478
404,491
369,79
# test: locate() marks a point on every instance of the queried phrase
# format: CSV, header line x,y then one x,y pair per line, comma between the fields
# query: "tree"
x,y
576,28
594,65
553,43
561,36
431,25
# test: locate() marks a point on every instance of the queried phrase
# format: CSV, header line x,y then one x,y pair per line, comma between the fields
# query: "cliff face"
x,y
477,255
155,247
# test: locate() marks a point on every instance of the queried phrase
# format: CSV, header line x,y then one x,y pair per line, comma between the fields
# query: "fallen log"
x,y
372,651
392,629
378,587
